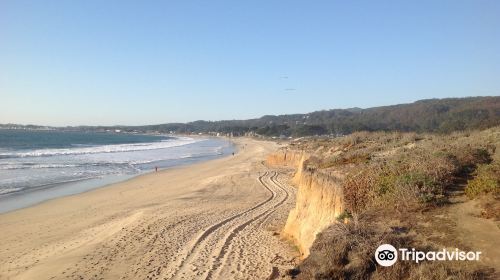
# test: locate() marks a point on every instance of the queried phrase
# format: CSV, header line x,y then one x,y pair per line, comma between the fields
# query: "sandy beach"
x,y
213,220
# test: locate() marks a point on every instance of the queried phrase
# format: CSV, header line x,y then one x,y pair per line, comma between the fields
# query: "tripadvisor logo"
x,y
387,255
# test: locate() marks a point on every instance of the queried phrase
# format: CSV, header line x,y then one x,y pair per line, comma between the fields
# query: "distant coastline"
x,y
429,115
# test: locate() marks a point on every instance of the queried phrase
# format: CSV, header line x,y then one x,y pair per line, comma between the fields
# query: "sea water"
x,y
40,165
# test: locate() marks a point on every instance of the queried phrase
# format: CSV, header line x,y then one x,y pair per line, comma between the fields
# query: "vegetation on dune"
x,y
401,169
345,251
486,179
390,178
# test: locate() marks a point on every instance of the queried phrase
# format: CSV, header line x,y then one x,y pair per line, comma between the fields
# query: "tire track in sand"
x,y
193,251
221,258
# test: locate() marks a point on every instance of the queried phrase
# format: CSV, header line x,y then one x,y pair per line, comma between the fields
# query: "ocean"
x,y
39,165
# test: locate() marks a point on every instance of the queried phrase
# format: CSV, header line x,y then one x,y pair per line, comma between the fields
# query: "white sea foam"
x,y
13,166
179,141
9,190
25,170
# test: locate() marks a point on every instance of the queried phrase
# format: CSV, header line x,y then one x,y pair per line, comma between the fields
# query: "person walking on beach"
x,y
156,168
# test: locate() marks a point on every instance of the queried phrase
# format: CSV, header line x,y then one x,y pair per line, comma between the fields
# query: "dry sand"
x,y
211,220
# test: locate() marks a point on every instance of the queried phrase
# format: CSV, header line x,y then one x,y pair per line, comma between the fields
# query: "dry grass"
x,y
490,207
405,169
345,251
388,176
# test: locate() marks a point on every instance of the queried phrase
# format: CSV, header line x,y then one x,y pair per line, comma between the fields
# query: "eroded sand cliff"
x,y
319,198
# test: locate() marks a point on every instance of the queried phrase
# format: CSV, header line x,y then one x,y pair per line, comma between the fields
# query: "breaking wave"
x,y
180,141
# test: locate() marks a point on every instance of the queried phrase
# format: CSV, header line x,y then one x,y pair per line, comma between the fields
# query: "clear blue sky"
x,y
145,62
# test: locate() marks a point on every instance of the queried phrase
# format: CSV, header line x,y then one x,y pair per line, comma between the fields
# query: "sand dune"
x,y
212,220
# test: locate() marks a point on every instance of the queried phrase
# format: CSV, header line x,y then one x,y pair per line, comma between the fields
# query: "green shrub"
x,y
486,180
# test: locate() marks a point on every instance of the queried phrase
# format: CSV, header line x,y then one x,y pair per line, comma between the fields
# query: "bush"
x,y
388,176
486,180
346,251
399,183
343,251
359,190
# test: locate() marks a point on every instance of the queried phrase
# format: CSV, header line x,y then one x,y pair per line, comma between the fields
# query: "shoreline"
x,y
147,226
32,197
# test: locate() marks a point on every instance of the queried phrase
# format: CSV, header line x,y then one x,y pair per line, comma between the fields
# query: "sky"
x,y
148,62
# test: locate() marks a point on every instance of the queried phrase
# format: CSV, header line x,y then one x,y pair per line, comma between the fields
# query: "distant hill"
x,y
431,115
